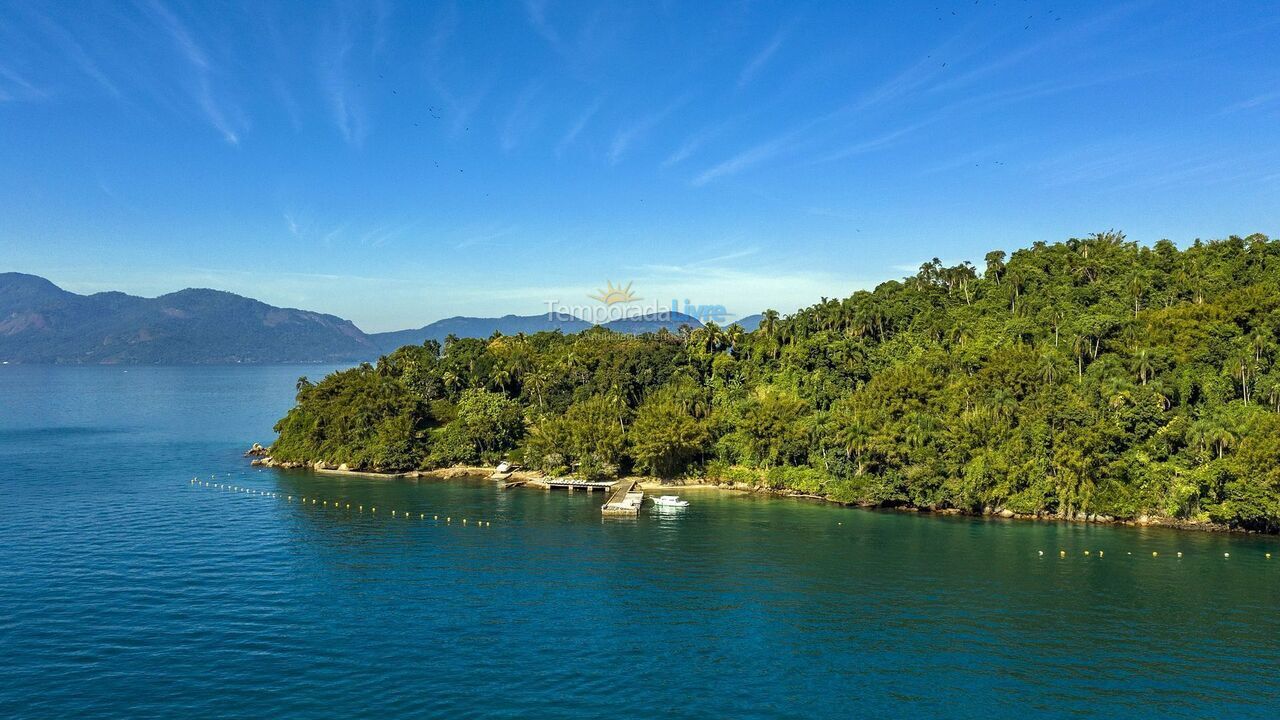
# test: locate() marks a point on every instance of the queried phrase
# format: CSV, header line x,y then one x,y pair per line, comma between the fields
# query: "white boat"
x,y
503,466
673,501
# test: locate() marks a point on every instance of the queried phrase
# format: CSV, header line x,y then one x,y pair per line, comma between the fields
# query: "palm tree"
x,y
450,380
1211,434
1080,347
1048,367
1136,287
769,324
713,338
734,336
1144,366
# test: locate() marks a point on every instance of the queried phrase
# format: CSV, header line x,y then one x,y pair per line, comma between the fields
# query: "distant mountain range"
x,y
476,327
749,323
42,323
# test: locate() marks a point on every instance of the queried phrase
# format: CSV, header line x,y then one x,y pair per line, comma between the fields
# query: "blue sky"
x,y
399,163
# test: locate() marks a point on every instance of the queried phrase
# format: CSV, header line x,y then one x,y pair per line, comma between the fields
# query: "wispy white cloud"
x,y
180,36
536,12
762,57
17,87
333,235
801,136
629,133
523,117
382,12
484,235
876,143
76,53
381,235
752,156
571,135
827,212
460,107
693,144
344,99
227,122
1262,100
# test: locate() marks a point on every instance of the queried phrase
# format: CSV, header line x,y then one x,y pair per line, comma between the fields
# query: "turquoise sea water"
x,y
126,592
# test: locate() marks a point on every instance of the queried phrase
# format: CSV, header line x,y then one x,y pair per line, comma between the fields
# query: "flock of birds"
x,y
327,503
1049,14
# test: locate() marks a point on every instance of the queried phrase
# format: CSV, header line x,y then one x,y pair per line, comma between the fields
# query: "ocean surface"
x,y
127,591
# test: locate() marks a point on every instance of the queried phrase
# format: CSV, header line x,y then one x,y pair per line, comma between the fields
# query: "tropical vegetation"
x,y
1092,377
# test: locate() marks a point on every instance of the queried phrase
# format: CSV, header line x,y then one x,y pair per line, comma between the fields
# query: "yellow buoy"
x,y
1062,553
435,517
1099,553
1179,553
448,519
1086,552
1226,554
1154,553
373,509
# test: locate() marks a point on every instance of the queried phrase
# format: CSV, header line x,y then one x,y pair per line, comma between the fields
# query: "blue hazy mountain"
x,y
479,327
42,323
652,322
749,323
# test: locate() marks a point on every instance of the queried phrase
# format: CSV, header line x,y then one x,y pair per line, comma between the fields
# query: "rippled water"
x,y
127,592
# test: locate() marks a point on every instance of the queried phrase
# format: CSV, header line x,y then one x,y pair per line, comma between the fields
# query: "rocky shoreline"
x,y
262,458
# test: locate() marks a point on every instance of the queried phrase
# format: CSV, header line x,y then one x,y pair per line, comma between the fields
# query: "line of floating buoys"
x,y
1061,553
336,504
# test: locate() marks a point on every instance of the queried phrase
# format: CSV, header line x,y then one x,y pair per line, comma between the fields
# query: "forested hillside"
x,y
1093,376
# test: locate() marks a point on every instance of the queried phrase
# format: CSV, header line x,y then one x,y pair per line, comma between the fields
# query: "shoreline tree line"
x,y
1093,376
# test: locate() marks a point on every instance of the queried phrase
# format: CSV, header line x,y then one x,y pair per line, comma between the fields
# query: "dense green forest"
x,y
1089,377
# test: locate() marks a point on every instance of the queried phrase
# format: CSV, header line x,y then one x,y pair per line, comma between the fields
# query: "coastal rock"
x,y
343,468
1006,513
256,451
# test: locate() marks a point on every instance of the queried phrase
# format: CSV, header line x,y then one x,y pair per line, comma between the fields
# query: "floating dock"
x,y
572,484
625,500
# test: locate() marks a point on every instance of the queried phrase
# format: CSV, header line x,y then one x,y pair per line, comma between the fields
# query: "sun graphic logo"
x,y
611,295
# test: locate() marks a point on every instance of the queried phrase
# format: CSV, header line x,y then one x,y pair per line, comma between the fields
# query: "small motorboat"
x,y
670,501
503,466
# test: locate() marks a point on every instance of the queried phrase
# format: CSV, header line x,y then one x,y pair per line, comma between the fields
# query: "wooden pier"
x,y
625,500
572,484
